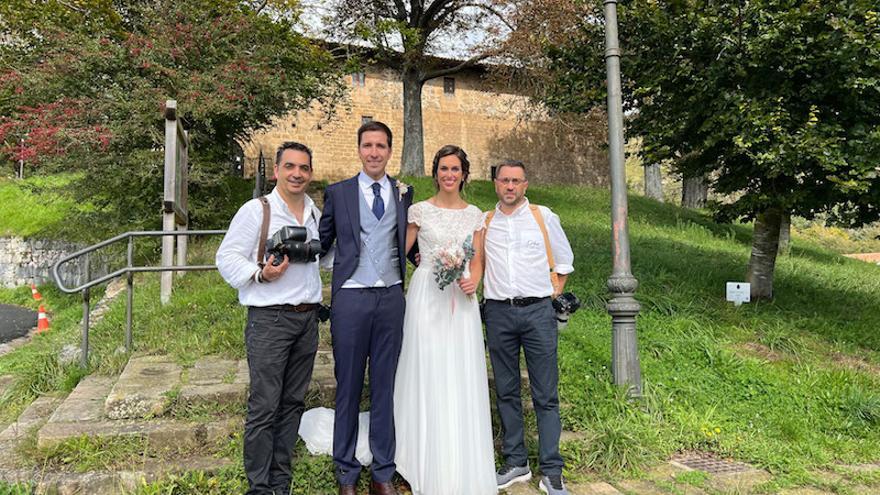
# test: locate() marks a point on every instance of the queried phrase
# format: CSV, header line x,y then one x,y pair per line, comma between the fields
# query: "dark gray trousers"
x,y
532,328
281,347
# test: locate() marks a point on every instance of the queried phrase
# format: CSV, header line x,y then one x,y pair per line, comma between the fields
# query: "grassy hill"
x,y
791,385
33,205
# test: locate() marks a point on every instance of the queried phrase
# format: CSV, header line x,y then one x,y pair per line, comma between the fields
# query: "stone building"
x,y
490,124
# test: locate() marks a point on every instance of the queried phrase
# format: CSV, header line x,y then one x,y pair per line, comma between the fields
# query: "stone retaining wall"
x,y
26,261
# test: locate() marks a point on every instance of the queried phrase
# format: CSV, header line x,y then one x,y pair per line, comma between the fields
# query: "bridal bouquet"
x,y
451,262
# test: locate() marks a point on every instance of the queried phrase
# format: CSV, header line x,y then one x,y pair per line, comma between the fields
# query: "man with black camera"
x,y
282,292
527,261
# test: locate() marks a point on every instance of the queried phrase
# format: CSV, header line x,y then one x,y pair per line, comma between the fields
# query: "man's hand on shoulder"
x,y
272,272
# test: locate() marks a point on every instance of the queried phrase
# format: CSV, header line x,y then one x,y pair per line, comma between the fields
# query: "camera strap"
x,y
536,212
264,231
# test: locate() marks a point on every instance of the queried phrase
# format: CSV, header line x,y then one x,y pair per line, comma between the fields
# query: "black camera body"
x,y
323,313
291,241
566,304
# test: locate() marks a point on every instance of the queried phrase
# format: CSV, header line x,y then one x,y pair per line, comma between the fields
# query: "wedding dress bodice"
x,y
443,227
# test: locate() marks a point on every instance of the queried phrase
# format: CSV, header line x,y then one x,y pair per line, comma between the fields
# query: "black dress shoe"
x,y
347,490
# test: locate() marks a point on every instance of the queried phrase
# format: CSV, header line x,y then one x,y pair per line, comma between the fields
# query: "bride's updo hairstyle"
x,y
451,149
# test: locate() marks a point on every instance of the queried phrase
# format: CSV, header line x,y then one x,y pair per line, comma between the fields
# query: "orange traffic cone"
x,y
36,293
42,321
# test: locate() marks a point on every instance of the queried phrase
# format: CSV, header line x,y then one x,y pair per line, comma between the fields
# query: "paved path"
x,y
15,322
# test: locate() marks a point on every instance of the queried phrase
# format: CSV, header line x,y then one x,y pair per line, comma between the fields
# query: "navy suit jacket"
x,y
341,222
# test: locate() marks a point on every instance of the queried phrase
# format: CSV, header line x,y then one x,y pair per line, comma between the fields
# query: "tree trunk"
x,y
765,245
413,157
653,182
785,233
694,192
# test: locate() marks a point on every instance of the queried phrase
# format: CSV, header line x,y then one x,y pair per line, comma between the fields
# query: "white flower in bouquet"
x,y
451,262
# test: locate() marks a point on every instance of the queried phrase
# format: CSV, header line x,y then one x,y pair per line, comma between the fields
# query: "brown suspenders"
x,y
554,277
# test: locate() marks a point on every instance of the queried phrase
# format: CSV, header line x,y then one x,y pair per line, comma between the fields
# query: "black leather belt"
x,y
298,308
521,301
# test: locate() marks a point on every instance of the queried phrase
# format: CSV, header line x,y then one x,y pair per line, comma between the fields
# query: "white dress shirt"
x,y
237,255
366,186
516,258
366,183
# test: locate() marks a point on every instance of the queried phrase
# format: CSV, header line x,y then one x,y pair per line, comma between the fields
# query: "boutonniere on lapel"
x,y
402,188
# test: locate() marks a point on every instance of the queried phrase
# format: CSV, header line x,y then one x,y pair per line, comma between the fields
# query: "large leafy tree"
x,y
406,35
88,96
777,101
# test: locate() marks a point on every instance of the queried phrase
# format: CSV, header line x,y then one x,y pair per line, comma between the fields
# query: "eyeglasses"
x,y
511,180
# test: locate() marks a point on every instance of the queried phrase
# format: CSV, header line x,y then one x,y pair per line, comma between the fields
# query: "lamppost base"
x,y
624,308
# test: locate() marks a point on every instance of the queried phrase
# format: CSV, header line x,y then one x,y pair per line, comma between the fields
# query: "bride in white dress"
x,y
441,397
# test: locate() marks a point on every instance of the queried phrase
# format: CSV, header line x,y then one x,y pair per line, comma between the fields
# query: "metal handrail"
x,y
129,270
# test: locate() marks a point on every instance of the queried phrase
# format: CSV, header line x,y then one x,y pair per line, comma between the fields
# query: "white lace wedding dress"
x,y
441,398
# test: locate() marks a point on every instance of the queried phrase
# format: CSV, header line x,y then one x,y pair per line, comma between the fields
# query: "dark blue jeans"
x,y
281,347
532,328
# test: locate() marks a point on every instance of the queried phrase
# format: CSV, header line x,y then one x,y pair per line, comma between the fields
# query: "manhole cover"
x,y
711,465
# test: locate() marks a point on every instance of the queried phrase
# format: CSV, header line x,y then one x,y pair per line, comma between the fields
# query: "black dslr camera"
x,y
565,305
291,241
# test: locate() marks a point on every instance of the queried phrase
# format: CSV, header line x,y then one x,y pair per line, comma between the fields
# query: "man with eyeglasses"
x,y
528,259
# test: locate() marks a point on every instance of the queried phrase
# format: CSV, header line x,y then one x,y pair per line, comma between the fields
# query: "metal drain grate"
x,y
711,465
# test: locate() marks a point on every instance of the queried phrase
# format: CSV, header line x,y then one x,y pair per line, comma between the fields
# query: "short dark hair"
x,y
374,125
451,149
292,145
510,163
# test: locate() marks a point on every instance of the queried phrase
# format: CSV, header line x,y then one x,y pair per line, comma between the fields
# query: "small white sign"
x,y
739,292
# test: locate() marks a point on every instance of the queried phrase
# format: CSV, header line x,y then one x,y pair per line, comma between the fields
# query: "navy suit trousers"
x,y
366,325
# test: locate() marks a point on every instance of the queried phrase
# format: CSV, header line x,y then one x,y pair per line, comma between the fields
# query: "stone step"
x,y
162,434
33,416
531,488
86,402
131,406
144,388
111,483
213,380
6,383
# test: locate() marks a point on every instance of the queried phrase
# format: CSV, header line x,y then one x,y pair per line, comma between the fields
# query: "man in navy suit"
x,y
366,217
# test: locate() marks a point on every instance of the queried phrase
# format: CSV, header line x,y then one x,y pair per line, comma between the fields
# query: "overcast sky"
x,y
448,45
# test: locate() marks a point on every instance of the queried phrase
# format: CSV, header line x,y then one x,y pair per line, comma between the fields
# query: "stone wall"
x,y
26,261
490,125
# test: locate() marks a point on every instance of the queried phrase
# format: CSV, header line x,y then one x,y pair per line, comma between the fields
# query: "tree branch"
x,y
72,7
401,11
261,7
458,68
491,10
433,11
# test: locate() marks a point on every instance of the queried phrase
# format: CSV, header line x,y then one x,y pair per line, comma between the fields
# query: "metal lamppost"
x,y
622,307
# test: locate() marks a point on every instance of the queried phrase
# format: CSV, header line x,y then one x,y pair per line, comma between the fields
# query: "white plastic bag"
x,y
316,430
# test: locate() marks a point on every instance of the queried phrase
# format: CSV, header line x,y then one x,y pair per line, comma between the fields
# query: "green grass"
x,y
35,365
16,489
43,207
791,385
33,205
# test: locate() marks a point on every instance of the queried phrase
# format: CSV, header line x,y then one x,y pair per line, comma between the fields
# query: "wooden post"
x,y
168,222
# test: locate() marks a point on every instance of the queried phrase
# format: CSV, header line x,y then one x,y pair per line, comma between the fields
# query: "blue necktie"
x,y
378,204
